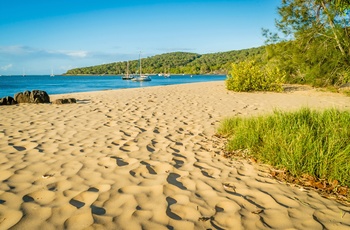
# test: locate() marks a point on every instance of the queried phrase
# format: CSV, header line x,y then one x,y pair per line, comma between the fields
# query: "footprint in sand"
x,y
120,162
172,179
169,213
86,199
178,163
106,162
150,148
41,197
229,187
207,170
149,167
23,145
146,170
97,210
129,146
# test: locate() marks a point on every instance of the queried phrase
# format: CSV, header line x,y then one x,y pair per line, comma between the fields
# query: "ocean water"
x,y
10,85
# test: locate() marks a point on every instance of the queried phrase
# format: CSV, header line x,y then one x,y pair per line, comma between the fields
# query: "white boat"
x,y
127,76
167,75
141,77
52,75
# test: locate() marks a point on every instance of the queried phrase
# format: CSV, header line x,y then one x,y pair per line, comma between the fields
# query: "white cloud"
x,y
77,54
40,60
19,50
6,67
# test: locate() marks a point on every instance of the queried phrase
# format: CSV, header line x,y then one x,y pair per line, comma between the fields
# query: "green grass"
x,y
307,141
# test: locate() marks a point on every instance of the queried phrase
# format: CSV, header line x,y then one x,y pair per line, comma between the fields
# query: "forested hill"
x,y
176,63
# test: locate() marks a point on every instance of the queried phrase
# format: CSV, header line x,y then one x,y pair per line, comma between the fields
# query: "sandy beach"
x,y
148,159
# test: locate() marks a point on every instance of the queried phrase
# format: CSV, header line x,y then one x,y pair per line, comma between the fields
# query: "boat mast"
x,y
127,69
140,63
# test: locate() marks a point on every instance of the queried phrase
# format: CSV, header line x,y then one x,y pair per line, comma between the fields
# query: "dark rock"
x,y
23,97
7,101
36,96
11,100
3,101
64,101
39,96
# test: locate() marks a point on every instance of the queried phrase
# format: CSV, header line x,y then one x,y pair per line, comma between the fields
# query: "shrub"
x,y
303,142
252,76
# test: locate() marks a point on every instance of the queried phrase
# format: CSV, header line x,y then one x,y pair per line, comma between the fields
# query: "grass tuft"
x,y
302,142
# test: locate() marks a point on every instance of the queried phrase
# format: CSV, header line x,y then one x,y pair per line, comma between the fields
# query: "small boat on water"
x,y
167,75
141,77
127,76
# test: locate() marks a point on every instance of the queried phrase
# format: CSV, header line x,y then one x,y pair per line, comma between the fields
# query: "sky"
x,y
44,36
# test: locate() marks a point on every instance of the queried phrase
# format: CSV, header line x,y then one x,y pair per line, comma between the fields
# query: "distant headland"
x,y
174,63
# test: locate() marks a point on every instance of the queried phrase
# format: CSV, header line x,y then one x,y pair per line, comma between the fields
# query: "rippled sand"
x,y
147,159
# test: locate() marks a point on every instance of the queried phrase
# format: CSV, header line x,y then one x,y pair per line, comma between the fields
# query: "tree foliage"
x,y
316,45
176,63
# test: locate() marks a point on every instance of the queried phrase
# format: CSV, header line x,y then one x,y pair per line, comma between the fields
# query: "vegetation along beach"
x,y
268,147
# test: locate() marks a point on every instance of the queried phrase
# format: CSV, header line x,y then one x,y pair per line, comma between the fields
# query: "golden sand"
x,y
147,159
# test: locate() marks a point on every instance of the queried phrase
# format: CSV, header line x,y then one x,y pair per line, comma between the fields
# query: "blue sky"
x,y
38,36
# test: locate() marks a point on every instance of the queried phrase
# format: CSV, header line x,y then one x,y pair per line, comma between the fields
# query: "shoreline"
x,y
147,158
89,83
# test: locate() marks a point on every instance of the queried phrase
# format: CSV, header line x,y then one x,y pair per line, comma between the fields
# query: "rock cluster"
x,y
64,101
35,96
7,101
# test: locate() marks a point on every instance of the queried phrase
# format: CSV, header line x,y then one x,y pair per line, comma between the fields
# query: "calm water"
x,y
9,85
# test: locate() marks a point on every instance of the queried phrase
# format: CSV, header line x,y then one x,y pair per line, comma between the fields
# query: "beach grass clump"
x,y
304,142
250,75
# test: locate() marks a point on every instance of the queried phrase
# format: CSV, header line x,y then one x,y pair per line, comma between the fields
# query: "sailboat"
x,y
127,76
141,77
52,75
167,75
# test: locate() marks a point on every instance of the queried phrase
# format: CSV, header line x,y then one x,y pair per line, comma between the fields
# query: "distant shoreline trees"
x,y
175,63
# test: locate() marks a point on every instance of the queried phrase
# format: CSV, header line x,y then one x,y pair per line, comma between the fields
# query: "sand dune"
x,y
147,159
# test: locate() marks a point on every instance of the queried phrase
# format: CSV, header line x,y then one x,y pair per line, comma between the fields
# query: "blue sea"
x,y
10,85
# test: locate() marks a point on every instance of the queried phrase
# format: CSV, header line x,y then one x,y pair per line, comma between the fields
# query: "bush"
x,y
303,142
251,76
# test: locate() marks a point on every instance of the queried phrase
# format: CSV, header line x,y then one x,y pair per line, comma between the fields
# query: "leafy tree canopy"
x,y
316,44
176,63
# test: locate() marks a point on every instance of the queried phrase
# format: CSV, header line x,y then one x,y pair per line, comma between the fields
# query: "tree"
x,y
313,18
176,63
317,40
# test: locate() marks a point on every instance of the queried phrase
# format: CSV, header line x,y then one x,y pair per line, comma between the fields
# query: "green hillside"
x,y
176,63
